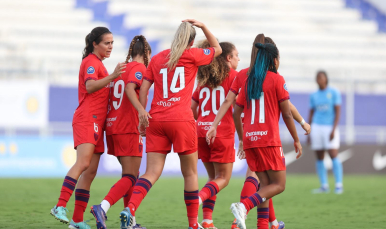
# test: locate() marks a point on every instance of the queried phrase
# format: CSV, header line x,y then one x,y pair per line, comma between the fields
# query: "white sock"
x,y
105,205
325,186
207,221
199,201
274,223
338,185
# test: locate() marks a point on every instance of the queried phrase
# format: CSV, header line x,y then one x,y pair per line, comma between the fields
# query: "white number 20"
x,y
117,94
214,99
261,110
178,73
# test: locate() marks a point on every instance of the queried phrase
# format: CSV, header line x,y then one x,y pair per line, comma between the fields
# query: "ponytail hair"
x,y
215,73
96,36
264,61
139,46
184,35
260,38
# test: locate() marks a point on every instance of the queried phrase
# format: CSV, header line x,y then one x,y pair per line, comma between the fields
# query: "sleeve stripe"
x,y
195,100
145,78
90,78
135,82
240,105
236,93
284,99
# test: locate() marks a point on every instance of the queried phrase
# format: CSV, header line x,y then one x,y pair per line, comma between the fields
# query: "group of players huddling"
x,y
198,126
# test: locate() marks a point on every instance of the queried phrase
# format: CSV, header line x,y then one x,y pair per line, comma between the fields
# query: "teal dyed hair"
x,y
264,62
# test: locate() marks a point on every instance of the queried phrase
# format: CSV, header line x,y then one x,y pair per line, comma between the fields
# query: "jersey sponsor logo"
x,y
285,87
138,75
111,119
322,107
174,99
164,104
204,123
256,133
90,70
109,124
206,51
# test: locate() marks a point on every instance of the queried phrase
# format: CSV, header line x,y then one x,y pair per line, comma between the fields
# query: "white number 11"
x,y
261,110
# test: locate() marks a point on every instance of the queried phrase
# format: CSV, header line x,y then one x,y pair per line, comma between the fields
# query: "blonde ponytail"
x,y
184,35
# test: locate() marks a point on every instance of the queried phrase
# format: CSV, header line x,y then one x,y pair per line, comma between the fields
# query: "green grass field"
x,y
26,203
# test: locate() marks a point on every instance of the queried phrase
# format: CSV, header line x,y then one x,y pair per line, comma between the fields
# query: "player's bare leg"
x,y
189,172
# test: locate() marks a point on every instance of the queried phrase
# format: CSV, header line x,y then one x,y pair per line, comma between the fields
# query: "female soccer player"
x,y
324,116
88,123
251,184
215,81
123,139
264,96
173,72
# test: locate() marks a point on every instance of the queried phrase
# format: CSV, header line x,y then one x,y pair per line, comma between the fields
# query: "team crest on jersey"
x,y
285,87
96,136
206,51
90,70
138,75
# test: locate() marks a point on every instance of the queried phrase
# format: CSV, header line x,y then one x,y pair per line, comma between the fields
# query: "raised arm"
x,y
209,36
96,85
288,120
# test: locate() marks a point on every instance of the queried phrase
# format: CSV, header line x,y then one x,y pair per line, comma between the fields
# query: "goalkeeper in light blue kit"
x,y
324,116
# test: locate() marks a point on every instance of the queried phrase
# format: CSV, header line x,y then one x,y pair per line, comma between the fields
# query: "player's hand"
x,y
298,149
119,69
306,127
194,22
144,117
142,130
241,152
211,135
332,135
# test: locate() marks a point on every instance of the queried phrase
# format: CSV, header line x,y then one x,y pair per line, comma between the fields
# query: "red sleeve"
x,y
202,56
281,89
195,95
136,75
241,99
149,72
90,70
235,86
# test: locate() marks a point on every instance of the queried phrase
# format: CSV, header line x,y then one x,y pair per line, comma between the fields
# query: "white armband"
x,y
302,122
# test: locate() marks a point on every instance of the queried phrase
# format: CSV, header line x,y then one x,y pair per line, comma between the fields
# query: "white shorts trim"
x,y
320,137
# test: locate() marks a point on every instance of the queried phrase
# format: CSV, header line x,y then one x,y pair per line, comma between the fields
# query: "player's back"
x,y
173,88
261,120
210,100
122,117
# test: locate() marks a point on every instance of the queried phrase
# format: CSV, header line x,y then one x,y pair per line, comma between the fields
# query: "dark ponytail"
x,y
96,36
265,60
139,46
260,38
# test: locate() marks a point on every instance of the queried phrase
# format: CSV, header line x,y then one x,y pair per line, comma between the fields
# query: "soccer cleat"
x,y
320,190
127,219
81,225
138,226
206,225
338,190
198,227
99,215
60,213
240,214
234,225
280,226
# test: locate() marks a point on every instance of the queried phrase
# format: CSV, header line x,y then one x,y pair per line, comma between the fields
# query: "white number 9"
x,y
117,94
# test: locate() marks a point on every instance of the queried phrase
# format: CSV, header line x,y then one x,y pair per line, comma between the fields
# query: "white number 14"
x,y
178,73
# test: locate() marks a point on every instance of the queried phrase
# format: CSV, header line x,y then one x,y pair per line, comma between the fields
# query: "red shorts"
x,y
121,145
265,158
222,150
160,136
89,133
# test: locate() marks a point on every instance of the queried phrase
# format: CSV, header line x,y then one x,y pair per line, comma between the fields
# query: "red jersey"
x,y
261,121
209,101
122,117
239,81
92,107
173,88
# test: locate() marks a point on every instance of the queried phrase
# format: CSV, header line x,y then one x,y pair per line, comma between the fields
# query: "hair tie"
x,y
260,46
